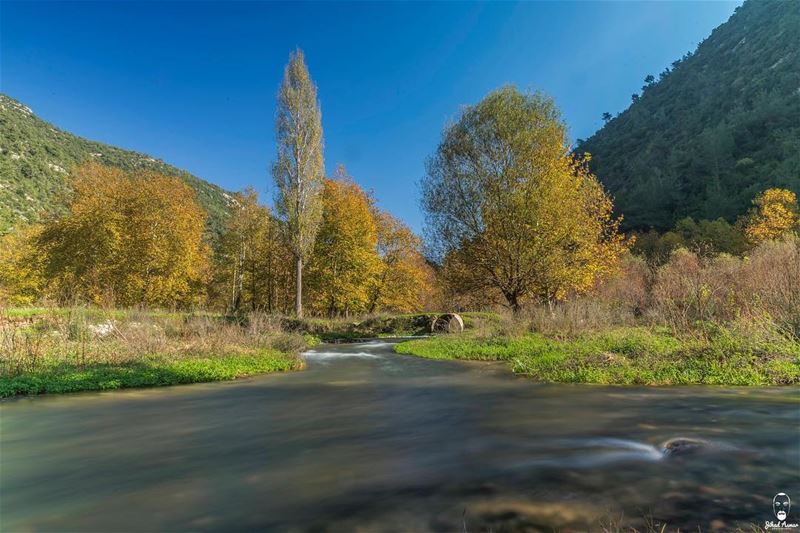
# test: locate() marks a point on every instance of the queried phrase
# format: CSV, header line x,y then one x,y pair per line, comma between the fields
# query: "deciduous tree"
x,y
21,280
775,213
298,171
404,278
127,239
253,267
345,260
509,208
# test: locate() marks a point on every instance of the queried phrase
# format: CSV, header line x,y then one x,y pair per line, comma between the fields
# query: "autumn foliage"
x,y
127,239
514,217
404,280
774,214
345,259
253,265
21,276
510,211
363,260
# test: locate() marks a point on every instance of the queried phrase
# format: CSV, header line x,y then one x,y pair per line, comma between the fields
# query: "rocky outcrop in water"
x,y
681,446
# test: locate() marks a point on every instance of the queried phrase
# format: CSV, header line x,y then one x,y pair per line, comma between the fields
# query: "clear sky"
x,y
194,83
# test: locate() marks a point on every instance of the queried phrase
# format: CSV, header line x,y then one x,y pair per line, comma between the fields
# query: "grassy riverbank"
x,y
150,371
629,355
80,349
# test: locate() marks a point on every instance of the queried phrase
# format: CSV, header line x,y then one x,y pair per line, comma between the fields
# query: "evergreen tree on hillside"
x,y
718,128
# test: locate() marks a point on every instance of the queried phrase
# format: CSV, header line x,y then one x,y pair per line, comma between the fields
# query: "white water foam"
x,y
596,452
334,355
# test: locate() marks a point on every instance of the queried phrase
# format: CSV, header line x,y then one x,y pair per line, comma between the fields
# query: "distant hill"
x,y
35,158
720,126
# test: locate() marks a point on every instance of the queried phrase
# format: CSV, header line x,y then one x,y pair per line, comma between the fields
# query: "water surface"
x,y
369,440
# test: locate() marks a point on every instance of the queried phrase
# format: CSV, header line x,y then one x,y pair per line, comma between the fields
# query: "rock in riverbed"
x,y
683,446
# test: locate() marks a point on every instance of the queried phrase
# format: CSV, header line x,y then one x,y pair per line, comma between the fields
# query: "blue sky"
x,y
195,83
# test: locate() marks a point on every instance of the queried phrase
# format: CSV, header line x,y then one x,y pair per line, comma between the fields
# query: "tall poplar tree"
x,y
298,171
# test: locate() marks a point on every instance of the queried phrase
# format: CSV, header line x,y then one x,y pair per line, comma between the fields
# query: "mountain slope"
x,y
720,127
35,158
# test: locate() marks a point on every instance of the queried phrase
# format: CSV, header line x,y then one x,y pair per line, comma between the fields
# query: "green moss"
x,y
151,372
630,356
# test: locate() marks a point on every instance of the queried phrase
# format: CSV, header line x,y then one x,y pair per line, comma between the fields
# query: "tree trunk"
x,y
232,307
298,301
240,282
513,301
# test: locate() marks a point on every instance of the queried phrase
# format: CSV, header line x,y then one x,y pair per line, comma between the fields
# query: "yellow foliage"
x,y
774,214
345,262
21,279
511,210
364,260
128,238
254,266
404,279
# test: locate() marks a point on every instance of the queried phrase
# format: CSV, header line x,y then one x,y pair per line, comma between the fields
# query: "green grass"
x,y
26,312
629,356
153,371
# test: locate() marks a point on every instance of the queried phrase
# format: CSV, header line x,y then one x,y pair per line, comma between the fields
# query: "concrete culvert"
x,y
447,323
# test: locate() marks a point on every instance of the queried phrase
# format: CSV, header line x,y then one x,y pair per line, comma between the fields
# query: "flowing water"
x,y
368,440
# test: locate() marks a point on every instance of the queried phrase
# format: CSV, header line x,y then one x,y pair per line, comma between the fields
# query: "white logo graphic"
x,y
781,504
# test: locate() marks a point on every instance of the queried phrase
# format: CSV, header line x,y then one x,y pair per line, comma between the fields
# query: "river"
x,y
365,439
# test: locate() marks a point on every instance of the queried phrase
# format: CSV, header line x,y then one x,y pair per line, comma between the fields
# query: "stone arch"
x,y
447,323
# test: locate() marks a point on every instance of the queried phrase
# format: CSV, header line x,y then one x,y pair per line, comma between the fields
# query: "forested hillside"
x,y
35,158
720,126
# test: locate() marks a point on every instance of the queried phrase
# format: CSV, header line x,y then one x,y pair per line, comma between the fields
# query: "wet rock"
x,y
711,491
683,446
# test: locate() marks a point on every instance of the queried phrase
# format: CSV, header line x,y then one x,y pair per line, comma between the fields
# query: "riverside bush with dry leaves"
x,y
762,289
689,294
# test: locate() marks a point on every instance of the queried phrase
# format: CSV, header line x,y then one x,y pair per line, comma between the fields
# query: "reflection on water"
x,y
366,439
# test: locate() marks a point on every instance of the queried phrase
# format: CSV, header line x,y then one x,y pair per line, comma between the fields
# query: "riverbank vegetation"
x,y
78,349
694,320
628,356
